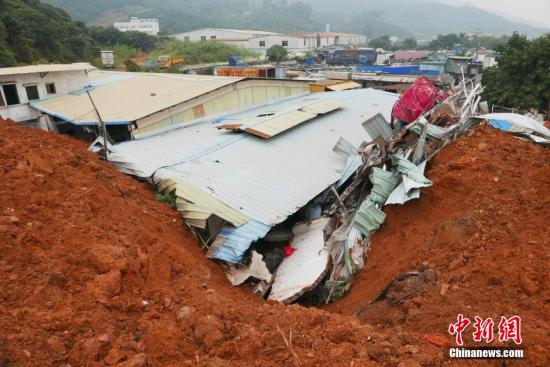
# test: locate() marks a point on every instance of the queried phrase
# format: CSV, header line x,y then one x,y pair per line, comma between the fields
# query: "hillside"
x,y
31,31
421,18
183,15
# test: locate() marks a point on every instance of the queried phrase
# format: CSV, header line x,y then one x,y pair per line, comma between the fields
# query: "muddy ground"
x,y
95,272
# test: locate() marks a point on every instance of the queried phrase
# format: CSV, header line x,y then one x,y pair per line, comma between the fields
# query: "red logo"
x,y
508,329
458,328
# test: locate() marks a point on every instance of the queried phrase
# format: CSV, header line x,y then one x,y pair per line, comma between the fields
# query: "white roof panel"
x,y
45,68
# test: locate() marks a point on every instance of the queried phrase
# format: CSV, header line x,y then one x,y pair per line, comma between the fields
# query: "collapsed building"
x,y
287,194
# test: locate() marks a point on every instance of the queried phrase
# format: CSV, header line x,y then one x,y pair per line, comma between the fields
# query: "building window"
x,y
285,43
187,38
32,92
262,43
212,37
50,88
203,38
10,93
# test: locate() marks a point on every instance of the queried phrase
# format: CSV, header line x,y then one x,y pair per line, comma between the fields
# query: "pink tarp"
x,y
418,98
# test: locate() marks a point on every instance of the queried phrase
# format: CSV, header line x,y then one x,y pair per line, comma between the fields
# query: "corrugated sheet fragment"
x,y
368,218
408,189
378,126
344,148
434,131
383,184
407,168
269,124
233,242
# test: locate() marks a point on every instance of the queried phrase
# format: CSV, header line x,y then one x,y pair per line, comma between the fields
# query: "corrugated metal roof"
x,y
232,243
45,68
266,180
122,98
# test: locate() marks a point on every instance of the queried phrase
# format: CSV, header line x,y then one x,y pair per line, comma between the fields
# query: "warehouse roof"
x,y
45,68
124,97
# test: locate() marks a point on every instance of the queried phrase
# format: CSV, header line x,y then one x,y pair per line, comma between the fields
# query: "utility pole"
x,y
102,126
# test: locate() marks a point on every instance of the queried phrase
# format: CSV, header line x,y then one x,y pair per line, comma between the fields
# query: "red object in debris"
x,y
420,97
288,250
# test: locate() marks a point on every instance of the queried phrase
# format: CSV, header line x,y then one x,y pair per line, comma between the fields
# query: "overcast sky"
x,y
527,11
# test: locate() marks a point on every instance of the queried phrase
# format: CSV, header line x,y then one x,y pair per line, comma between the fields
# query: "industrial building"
x,y
261,41
133,105
23,84
148,26
238,37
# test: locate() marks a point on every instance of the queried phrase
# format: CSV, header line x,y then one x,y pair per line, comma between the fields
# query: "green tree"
x,y
409,43
31,31
276,53
522,77
383,42
445,42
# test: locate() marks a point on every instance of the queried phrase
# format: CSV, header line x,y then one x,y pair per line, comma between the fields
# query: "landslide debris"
x,y
95,272
482,229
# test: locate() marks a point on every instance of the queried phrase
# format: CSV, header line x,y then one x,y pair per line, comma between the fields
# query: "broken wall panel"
x,y
303,270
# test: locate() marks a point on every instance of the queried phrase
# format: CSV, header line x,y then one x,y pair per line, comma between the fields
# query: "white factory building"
x,y
232,36
261,41
148,26
23,84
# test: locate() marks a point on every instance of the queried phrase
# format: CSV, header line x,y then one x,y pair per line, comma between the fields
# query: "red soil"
x,y
94,272
483,228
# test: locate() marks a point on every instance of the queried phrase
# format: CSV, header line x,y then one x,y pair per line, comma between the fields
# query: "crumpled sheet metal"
x,y
197,205
434,131
408,189
515,123
368,218
409,169
537,139
232,243
383,184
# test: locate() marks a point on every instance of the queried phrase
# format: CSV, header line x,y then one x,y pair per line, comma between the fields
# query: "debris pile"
x,y
475,243
253,184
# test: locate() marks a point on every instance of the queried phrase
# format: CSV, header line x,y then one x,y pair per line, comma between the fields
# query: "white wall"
x,y
295,44
148,26
218,34
65,82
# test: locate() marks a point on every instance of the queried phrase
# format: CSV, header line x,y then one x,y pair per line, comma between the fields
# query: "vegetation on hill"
x,y
31,32
448,41
522,78
200,52
183,15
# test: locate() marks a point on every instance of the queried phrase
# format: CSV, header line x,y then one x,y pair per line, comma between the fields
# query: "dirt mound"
x,y
94,271
482,230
